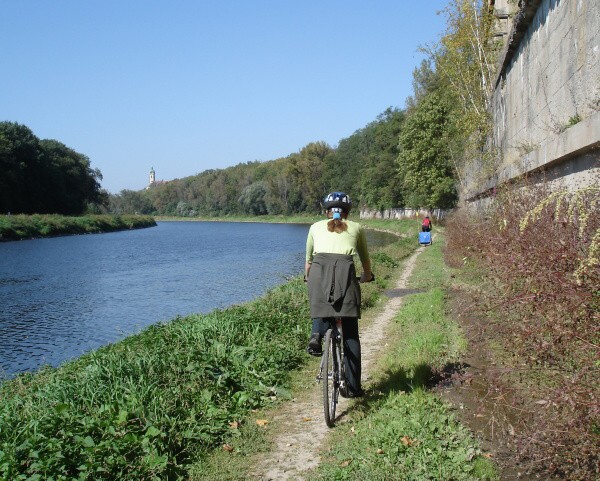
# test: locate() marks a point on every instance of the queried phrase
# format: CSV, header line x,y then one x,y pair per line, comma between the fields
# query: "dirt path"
x,y
297,448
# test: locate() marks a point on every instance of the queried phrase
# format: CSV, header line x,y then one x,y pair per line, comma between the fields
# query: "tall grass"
x,y
16,227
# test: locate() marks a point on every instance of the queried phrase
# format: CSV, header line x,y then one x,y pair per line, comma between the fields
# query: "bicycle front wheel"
x,y
331,377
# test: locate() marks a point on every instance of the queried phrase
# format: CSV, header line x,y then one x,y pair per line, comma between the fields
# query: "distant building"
x,y
152,180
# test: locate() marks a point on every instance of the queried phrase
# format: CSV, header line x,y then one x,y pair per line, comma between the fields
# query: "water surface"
x,y
63,296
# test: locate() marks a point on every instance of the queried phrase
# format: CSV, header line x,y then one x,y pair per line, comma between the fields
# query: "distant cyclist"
x,y
333,289
426,225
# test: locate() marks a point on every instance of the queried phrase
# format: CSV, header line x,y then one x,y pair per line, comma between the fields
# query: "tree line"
x,y
45,176
366,165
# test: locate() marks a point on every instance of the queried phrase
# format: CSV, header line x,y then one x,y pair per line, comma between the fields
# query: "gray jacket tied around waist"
x,y
333,289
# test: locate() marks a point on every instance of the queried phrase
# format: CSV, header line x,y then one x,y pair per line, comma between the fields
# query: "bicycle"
x,y
331,368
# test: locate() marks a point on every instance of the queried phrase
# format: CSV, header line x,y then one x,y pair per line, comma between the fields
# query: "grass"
x,y
405,436
430,271
407,227
17,227
401,430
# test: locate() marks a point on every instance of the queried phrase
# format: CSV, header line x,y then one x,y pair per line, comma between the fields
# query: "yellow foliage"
x,y
574,208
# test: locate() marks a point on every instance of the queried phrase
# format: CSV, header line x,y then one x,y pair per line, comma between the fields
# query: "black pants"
x,y
351,348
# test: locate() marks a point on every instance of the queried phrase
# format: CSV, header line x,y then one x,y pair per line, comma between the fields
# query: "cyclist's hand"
x,y
363,278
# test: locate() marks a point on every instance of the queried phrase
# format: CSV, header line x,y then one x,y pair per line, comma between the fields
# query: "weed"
x,y
573,120
144,407
539,252
525,148
384,259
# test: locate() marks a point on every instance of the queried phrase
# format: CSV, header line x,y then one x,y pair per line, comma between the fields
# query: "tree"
x,y
130,202
425,80
44,176
253,198
71,184
279,186
19,157
424,162
380,185
310,167
465,63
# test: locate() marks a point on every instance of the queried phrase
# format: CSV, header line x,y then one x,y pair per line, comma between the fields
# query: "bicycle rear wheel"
x,y
331,376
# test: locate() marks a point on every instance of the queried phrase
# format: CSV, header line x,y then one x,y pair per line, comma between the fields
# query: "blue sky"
x,y
185,86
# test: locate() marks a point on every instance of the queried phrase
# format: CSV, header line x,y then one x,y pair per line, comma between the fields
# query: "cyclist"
x,y
333,289
426,225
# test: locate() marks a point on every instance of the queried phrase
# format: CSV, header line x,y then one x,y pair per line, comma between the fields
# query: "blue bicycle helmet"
x,y
338,200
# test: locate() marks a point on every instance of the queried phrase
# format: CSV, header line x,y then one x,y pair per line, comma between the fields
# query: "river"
x,y
64,296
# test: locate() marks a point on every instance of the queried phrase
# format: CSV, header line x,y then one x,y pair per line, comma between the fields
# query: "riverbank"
x,y
19,227
391,226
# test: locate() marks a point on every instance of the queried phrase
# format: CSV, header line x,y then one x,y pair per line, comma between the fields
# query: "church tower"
x,y
152,177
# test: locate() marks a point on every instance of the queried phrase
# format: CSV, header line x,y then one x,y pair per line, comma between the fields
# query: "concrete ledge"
x,y
574,141
580,140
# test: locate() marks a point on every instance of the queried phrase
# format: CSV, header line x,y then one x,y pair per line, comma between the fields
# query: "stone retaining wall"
x,y
436,214
546,104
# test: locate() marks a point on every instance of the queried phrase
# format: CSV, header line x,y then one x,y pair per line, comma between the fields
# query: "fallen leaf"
x,y
380,451
234,425
407,441
228,448
488,455
306,419
262,422
345,463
